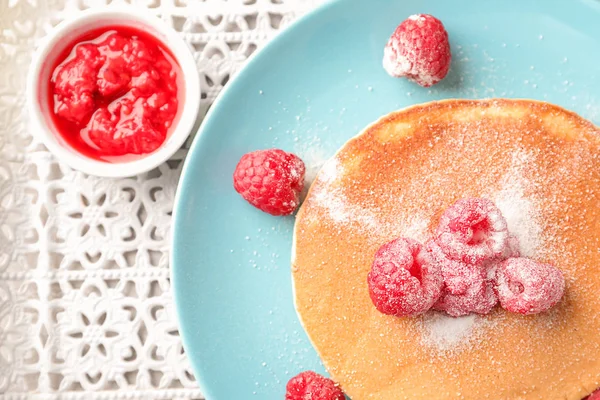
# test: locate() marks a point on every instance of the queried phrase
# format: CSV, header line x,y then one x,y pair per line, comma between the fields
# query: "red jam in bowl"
x,y
114,93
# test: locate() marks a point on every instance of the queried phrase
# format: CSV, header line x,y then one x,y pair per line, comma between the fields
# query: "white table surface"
x,y
85,305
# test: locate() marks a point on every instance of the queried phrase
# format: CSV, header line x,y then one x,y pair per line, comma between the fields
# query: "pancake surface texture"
x,y
541,165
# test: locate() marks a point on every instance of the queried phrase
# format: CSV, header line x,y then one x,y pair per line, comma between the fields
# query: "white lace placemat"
x,y
85,305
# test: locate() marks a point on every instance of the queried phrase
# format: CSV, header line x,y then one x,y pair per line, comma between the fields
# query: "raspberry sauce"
x,y
114,92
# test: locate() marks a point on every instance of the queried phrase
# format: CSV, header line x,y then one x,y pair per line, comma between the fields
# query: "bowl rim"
x,y
116,15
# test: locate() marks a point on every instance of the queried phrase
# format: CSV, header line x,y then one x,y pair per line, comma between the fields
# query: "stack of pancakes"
x,y
541,165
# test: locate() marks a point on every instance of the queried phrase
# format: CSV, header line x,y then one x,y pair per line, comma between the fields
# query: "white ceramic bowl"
x,y
41,69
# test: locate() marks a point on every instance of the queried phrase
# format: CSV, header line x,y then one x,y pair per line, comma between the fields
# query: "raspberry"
x,y
403,279
594,396
113,77
270,180
310,385
472,230
479,298
466,289
75,84
419,50
527,287
132,135
456,275
512,248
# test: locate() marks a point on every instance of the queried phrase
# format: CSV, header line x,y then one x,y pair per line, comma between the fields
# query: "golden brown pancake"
x,y
541,165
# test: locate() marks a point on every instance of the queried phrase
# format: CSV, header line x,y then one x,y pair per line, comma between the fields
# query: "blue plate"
x,y
312,88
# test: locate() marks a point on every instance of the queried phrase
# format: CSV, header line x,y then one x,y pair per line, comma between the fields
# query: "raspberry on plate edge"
x,y
271,180
310,385
418,50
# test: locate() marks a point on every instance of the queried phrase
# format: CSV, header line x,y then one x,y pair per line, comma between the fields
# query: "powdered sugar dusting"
x,y
444,333
329,170
394,64
520,210
416,228
314,159
416,17
343,212
334,201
